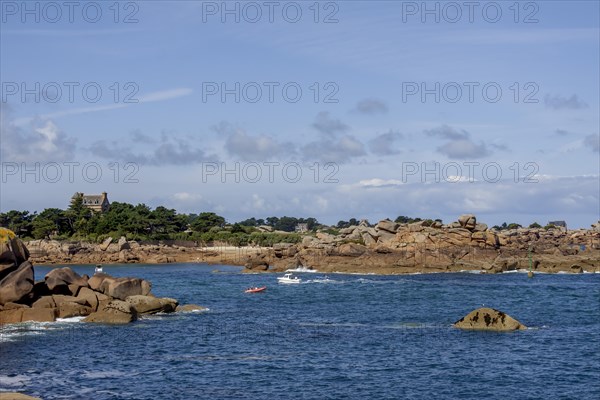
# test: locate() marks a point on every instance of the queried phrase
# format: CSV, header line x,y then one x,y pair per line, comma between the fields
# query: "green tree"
x,y
207,220
272,221
286,224
48,222
20,222
237,228
164,221
535,225
342,224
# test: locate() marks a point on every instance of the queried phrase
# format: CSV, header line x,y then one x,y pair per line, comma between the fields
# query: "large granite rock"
x,y
90,297
351,250
259,262
152,305
121,288
64,277
71,309
467,221
489,319
387,225
39,314
13,316
18,284
114,312
104,245
95,282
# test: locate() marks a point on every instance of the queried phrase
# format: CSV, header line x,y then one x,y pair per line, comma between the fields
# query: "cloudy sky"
x,y
345,109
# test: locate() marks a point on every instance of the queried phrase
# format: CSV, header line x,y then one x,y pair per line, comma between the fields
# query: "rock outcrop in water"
x,y
489,319
63,293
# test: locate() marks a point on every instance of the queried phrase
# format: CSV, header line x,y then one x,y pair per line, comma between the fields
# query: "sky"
x,y
330,109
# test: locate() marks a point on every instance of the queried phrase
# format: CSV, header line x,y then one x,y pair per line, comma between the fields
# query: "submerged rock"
x,y
152,305
190,308
114,312
489,319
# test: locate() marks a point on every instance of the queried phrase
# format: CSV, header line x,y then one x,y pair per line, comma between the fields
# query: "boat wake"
x,y
302,269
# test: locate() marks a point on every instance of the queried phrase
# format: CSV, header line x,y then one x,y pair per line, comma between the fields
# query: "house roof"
x,y
89,197
92,197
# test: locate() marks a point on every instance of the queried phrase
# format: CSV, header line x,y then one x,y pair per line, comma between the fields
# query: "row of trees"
x,y
137,222
513,225
286,224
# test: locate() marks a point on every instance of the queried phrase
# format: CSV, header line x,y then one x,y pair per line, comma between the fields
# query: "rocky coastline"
x,y
63,293
386,248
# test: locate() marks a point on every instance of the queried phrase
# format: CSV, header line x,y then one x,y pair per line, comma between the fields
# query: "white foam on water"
x,y
380,282
14,380
71,319
471,271
354,273
302,269
325,281
194,311
9,333
103,374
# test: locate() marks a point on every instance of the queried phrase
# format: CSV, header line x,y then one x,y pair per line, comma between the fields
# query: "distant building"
x,y
95,202
301,228
561,224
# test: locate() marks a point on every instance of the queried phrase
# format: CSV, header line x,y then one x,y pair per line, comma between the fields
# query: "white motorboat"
x,y
289,278
98,269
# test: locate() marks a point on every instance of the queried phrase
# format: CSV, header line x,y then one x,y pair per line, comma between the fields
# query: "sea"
x,y
333,336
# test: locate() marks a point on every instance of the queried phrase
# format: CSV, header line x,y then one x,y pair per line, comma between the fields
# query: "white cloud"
x,y
328,126
384,144
377,182
593,142
256,148
41,140
371,106
148,98
187,197
558,102
340,150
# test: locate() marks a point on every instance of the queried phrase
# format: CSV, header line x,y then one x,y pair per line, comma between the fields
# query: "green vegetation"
x,y
346,224
402,219
140,222
506,226
535,225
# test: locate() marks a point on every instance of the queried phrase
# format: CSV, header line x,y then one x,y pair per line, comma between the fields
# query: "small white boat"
x,y
98,269
289,278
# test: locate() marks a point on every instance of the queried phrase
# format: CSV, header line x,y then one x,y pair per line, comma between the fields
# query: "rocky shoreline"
x,y
64,294
386,248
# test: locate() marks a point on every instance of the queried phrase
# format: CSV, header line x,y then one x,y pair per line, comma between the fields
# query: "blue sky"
x,y
367,141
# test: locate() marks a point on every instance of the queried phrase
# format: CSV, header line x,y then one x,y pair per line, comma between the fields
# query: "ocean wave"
x,y
12,332
103,374
14,381
325,281
302,269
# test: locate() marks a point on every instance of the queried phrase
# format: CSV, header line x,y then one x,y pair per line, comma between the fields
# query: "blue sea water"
x,y
346,337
